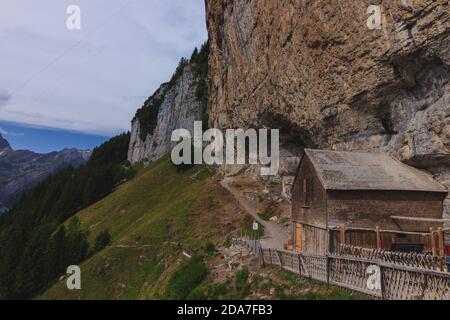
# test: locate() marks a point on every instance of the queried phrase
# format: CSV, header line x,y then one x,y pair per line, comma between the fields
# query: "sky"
x,y
43,140
94,79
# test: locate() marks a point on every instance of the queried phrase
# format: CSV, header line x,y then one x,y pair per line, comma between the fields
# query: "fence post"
x,y
299,264
433,241
328,271
383,285
342,234
441,243
378,238
280,258
441,248
270,254
261,253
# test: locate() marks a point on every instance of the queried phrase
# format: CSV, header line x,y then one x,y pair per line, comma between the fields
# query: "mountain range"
x,y
20,170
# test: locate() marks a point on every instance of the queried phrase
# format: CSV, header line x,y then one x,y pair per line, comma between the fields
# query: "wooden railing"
x,y
407,259
371,277
253,244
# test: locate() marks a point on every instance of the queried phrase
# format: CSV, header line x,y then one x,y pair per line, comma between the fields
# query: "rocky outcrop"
x,y
179,107
316,70
21,170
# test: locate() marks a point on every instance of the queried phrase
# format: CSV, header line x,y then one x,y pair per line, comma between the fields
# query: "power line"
x,y
68,50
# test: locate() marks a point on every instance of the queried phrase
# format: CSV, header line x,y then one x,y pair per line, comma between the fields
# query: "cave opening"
x,y
388,123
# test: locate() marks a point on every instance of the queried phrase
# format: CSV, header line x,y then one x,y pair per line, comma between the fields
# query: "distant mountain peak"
x,y
21,170
4,144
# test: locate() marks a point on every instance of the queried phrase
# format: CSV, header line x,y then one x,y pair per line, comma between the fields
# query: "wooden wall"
x,y
314,240
368,209
315,214
367,239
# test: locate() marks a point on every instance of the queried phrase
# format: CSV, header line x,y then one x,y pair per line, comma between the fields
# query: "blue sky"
x,y
90,80
43,140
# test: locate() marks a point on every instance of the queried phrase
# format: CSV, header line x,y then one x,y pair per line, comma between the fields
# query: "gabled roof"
x,y
369,171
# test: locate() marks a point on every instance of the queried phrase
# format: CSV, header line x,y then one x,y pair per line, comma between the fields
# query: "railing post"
x,y
328,271
378,238
342,234
261,253
433,242
280,258
441,243
383,284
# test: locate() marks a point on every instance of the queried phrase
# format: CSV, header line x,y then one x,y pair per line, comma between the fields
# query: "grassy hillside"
x,y
152,220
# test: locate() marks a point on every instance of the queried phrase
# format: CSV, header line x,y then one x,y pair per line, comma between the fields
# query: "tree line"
x,y
35,248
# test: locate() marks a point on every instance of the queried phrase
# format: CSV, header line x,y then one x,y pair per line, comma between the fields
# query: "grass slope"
x,y
156,218
152,220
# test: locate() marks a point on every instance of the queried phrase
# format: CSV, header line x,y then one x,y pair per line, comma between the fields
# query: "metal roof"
x,y
369,171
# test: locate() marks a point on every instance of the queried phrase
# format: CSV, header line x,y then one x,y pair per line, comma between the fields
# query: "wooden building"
x,y
369,200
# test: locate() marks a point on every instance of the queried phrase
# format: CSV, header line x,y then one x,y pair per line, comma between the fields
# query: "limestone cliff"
x,y
174,105
316,70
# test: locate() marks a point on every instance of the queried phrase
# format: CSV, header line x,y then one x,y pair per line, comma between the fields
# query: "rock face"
x,y
316,70
178,109
4,145
21,170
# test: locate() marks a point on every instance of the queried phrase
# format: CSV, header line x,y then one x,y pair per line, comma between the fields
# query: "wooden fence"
x,y
371,277
407,259
252,243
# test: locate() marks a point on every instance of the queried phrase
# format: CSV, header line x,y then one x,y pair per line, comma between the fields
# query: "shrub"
x,y
101,241
188,277
210,248
242,287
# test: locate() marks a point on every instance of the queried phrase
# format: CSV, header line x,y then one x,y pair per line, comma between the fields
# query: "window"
x,y
415,248
402,236
307,192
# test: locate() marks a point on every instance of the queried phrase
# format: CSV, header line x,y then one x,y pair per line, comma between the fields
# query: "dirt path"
x,y
274,236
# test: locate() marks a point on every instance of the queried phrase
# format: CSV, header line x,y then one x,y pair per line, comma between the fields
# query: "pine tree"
x,y
101,241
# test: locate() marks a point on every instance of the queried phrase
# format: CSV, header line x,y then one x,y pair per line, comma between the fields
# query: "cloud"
x,y
97,85
3,132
